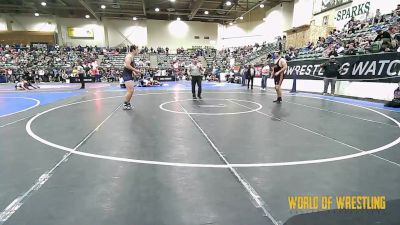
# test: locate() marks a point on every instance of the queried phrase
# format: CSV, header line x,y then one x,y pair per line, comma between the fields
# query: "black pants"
x,y
82,80
196,80
250,79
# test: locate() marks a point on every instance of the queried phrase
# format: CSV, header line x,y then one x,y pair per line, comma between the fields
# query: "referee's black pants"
x,y
196,80
250,79
82,80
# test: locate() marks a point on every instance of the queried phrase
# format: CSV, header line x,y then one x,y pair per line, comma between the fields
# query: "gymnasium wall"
x,y
27,23
126,32
93,25
302,12
379,91
3,24
276,20
176,34
152,33
241,34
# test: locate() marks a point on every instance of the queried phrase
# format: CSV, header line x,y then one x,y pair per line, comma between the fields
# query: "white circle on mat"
x,y
258,107
197,165
37,102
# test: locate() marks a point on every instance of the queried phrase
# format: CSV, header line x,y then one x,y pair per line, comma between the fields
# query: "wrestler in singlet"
x,y
278,79
127,73
127,76
279,72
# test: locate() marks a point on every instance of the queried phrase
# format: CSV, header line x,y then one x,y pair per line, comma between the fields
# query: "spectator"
x,y
243,74
251,72
396,99
383,36
331,72
378,16
265,72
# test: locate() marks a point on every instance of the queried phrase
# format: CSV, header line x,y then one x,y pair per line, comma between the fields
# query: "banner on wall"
x,y
354,11
75,32
325,5
330,4
374,68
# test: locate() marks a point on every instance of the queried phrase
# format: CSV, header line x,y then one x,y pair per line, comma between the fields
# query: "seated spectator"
x,y
382,35
395,103
351,50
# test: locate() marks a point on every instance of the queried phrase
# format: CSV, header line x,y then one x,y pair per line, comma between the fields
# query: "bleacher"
x,y
117,61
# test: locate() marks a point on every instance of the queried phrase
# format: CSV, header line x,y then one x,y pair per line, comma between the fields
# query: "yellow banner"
x,y
75,32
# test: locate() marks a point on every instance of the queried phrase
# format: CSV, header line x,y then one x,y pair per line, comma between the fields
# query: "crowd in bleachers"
x,y
46,63
376,34
42,62
379,33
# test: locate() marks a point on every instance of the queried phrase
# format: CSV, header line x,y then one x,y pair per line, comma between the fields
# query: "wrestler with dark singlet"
x,y
278,74
127,75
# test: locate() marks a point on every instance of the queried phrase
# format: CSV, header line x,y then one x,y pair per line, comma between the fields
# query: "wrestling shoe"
x,y
278,100
127,106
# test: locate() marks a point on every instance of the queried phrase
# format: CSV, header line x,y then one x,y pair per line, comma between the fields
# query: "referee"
x,y
81,74
196,71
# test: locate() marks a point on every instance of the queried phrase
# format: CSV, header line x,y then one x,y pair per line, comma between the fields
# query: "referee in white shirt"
x,y
81,74
196,71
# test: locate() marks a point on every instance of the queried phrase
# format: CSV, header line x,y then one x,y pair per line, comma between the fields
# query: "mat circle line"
x,y
23,110
162,107
196,165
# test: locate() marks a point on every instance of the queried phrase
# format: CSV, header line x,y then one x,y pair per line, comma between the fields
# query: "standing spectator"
x,y
378,16
265,72
331,72
196,71
243,74
251,72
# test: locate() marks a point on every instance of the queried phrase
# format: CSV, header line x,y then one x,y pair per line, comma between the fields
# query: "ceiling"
x,y
218,10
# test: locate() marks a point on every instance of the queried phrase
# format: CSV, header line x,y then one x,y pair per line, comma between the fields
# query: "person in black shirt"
x,y
331,72
251,72
382,35
396,99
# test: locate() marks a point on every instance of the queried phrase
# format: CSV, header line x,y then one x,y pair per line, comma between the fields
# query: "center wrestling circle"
x,y
258,107
195,165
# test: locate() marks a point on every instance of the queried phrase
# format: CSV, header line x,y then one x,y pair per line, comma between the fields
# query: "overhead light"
x,y
157,9
230,23
206,12
87,16
241,18
262,6
103,6
179,19
172,0
228,3
134,18
43,3
36,14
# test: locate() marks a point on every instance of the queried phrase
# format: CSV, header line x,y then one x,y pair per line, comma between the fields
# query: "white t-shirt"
x,y
80,69
195,70
265,70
